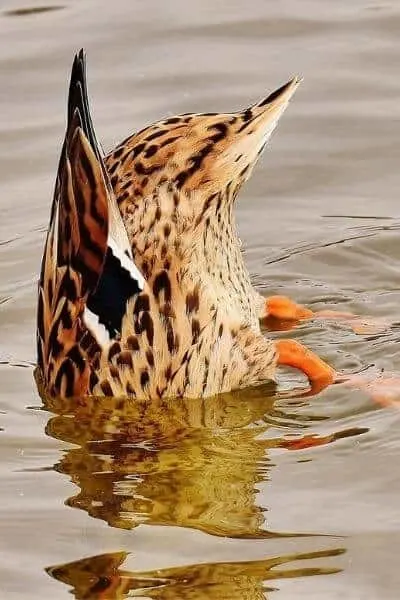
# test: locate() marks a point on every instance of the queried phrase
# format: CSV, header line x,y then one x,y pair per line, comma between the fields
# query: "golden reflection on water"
x,y
101,577
185,463
188,463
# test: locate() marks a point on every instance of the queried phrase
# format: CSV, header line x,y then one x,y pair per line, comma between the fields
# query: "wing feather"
x,y
88,274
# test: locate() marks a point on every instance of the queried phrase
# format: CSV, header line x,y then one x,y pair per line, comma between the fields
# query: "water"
x,y
248,496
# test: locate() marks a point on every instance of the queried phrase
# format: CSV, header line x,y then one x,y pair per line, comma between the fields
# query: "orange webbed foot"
x,y
360,325
293,354
282,308
383,389
285,309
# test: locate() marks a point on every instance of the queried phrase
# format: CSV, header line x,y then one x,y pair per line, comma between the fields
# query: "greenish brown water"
x,y
248,496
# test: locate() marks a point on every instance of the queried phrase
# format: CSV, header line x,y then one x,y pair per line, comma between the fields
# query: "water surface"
x,y
251,495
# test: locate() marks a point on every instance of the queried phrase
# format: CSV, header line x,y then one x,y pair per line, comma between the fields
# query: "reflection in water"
x,y
101,577
31,10
188,463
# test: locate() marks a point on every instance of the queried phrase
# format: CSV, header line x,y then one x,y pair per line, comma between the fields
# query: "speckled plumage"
x,y
191,329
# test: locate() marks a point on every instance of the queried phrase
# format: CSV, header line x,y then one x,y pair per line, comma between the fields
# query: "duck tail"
x,y
88,273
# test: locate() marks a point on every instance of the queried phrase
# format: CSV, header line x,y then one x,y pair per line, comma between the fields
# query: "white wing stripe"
x,y
127,263
97,329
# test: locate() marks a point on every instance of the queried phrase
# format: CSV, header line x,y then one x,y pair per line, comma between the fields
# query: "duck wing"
x,y
88,273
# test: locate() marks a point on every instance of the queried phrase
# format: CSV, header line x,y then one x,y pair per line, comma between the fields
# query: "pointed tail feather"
x,y
88,273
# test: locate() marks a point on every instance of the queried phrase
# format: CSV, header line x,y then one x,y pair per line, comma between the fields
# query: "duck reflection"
x,y
101,577
188,463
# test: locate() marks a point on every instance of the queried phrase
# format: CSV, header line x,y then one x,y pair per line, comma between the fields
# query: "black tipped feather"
x,y
275,94
78,103
87,256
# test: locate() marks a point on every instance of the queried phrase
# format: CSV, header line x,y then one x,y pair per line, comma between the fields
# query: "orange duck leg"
x,y
282,308
383,389
293,354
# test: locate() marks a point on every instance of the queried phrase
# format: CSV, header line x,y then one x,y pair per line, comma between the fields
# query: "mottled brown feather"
x,y
194,329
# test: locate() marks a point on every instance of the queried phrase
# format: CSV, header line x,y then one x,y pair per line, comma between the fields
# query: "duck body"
x,y
143,289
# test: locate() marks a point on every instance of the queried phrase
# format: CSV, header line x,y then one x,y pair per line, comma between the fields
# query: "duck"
x,y
143,290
